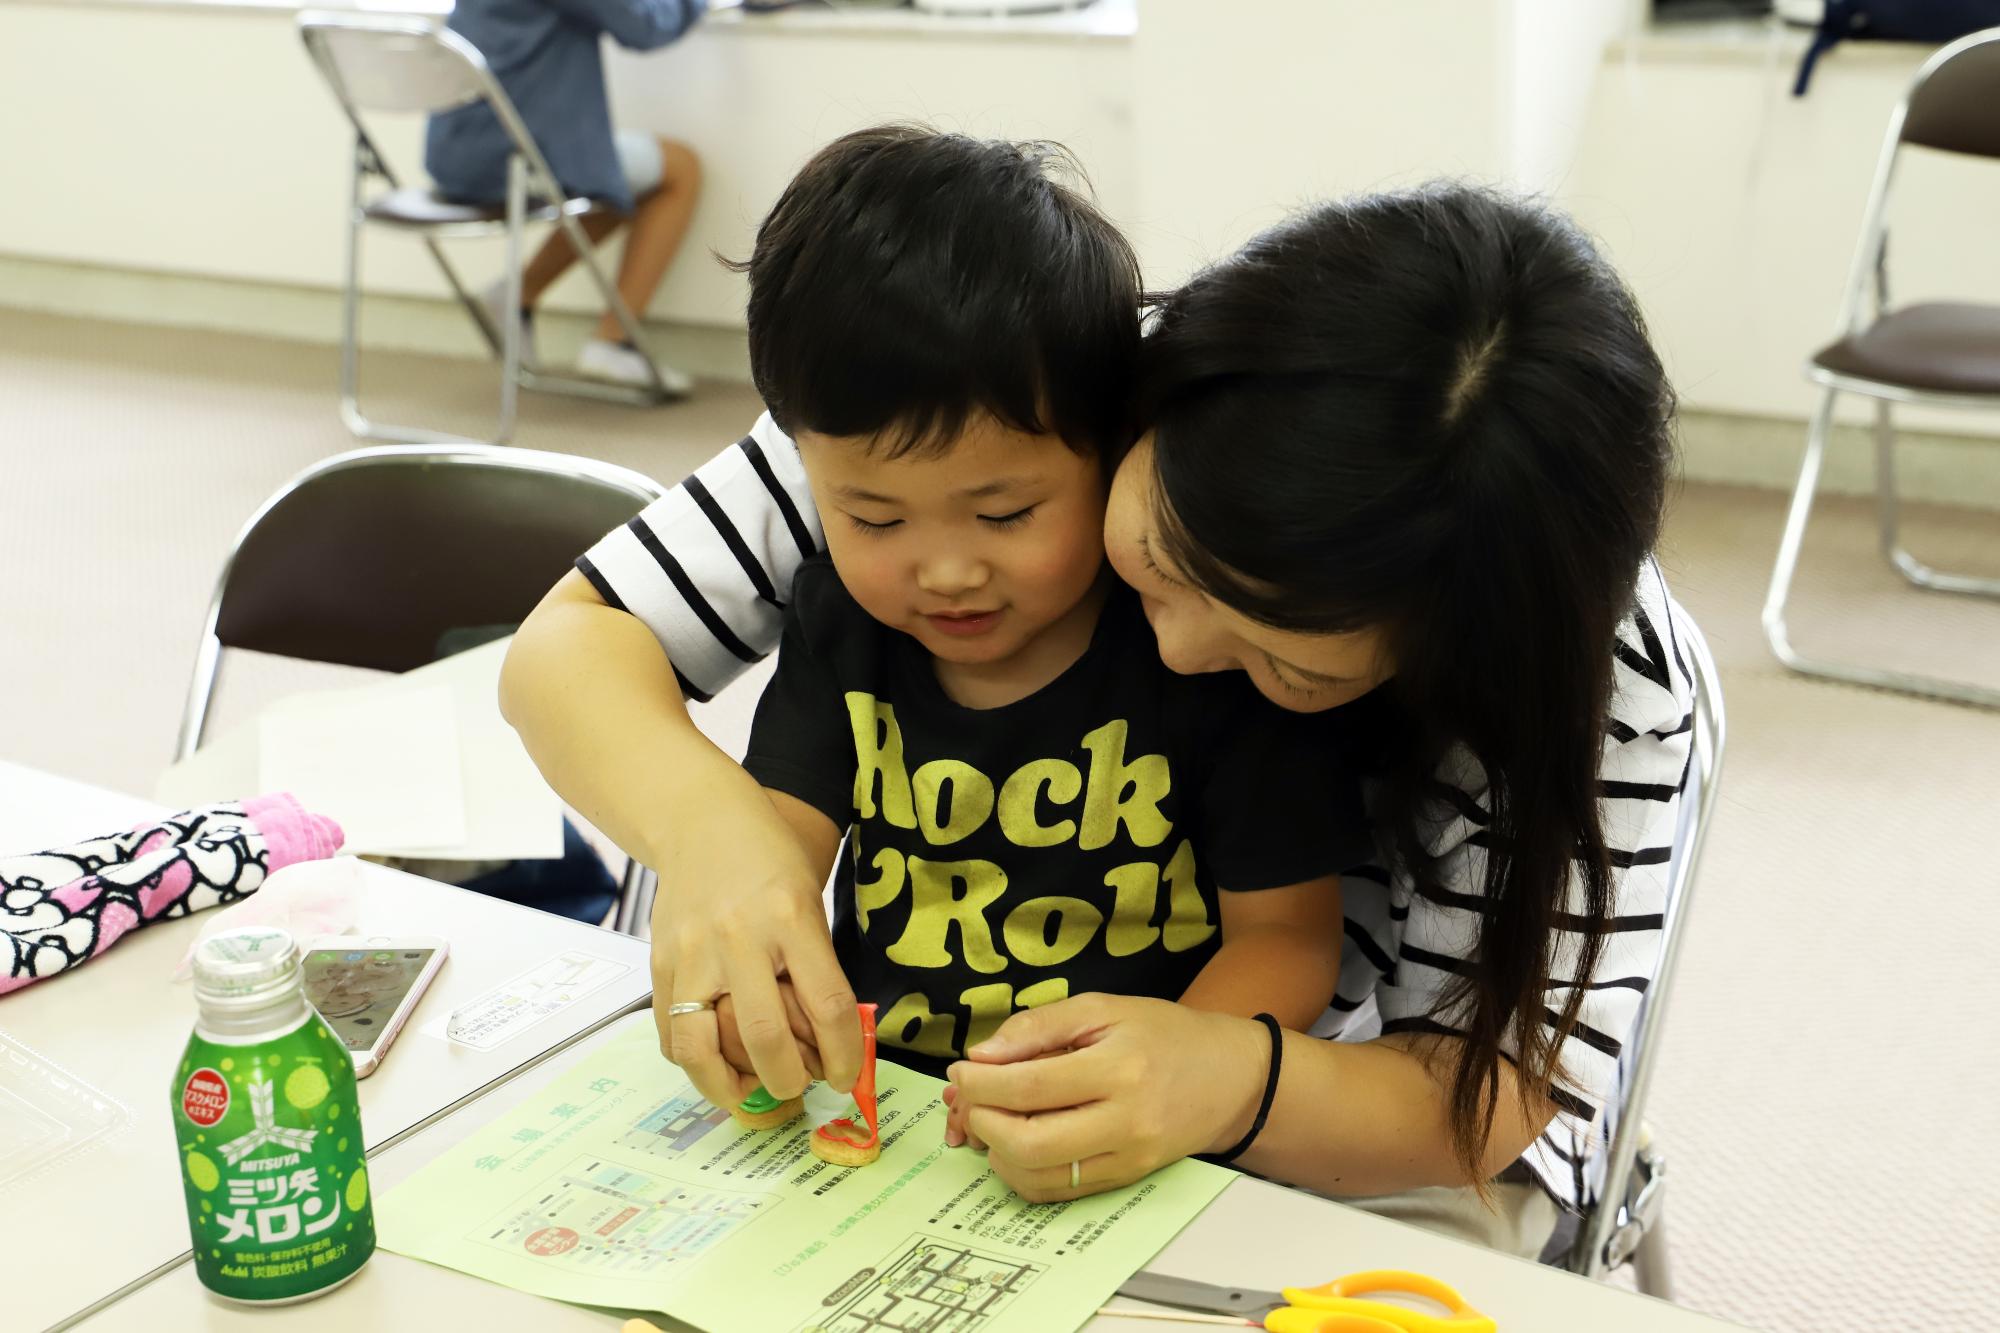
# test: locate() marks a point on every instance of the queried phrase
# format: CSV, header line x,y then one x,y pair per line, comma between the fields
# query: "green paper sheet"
x,y
617,1185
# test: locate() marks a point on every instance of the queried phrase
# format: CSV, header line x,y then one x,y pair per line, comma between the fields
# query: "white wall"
x,y
1734,209
1556,54
1242,111
756,104
173,139
189,141
201,141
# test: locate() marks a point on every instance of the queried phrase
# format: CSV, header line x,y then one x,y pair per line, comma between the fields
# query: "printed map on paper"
x,y
617,1185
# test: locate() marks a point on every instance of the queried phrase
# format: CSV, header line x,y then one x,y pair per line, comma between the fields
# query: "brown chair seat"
x,y
420,208
1939,346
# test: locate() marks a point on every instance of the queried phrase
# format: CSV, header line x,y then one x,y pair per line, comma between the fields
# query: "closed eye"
x,y
1278,673
876,528
1004,521
1146,554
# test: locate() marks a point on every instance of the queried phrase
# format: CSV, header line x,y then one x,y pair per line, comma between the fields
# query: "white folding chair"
x,y
400,63
1625,1222
1941,354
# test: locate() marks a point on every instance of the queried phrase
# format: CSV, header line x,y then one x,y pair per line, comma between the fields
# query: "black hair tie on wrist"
x,y
1242,1145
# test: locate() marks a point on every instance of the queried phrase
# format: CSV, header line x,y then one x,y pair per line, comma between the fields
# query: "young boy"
x,y
1032,805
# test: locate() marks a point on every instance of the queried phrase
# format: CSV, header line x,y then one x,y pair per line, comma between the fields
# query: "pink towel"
x,y
61,908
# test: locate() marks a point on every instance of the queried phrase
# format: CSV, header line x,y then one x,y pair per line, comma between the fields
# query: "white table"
x,y
111,1214
1254,1234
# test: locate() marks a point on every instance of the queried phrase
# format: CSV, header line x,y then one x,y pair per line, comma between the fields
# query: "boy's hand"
x,y
739,918
738,1055
957,1133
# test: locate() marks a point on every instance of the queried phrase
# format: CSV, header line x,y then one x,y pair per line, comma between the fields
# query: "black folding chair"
x,y
1937,353
392,556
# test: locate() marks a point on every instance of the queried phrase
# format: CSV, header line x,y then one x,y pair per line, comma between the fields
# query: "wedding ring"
x,y
680,1007
1075,1174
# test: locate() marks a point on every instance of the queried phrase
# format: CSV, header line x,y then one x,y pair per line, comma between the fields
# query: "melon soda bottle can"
x,y
269,1130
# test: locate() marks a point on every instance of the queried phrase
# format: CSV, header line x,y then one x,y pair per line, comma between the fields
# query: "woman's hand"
x,y
1137,1084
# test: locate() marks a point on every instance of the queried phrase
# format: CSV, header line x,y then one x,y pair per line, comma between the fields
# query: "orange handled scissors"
x,y
1345,1305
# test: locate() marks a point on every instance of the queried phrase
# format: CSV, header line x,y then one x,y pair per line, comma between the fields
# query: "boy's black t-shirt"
x,y
1072,841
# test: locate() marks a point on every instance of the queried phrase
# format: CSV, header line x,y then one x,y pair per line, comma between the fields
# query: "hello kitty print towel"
x,y
61,908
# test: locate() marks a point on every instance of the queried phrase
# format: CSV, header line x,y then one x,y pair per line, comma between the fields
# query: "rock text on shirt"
x,y
947,801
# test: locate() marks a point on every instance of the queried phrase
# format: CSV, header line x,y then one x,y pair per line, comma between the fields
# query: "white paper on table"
x,y
507,811
516,1005
384,763
510,812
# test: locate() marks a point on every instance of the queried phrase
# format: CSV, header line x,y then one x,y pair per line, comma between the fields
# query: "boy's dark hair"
x,y
909,279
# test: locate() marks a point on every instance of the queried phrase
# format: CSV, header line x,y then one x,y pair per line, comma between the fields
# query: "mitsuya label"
x,y
1074,841
271,1160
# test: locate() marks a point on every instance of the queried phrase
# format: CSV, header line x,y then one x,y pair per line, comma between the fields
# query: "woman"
x,y
1406,460
1418,440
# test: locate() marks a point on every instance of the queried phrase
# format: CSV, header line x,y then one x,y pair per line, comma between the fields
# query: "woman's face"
x,y
1305,673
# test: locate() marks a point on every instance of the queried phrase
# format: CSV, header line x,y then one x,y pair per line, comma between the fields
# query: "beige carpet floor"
x,y
1828,1098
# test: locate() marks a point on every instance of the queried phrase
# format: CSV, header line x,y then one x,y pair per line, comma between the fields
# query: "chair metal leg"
x,y
1651,1269
510,332
358,423
1796,517
350,306
1911,568
1776,631
194,714
577,385
489,330
635,899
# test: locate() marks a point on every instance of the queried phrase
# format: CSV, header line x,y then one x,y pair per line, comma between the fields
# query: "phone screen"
x,y
357,990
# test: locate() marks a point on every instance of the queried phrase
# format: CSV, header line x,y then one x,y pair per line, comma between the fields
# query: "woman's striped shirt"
x,y
707,568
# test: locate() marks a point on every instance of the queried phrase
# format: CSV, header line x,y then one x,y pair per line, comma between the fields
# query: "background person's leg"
x,y
666,177
659,225
550,262
557,254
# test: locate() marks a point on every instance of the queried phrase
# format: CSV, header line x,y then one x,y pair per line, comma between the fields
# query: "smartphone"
x,y
366,988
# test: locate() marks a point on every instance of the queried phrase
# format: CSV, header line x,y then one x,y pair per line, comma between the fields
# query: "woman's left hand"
x,y
1116,1084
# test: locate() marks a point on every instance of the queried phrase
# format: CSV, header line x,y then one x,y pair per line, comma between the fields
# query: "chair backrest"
x,y
1952,104
1951,107
1609,1173
373,557
390,62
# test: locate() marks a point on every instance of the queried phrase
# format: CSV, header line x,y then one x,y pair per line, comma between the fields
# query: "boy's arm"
x,y
1280,954
1279,815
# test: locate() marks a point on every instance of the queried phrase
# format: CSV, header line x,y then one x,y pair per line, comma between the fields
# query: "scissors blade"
x,y
1204,1297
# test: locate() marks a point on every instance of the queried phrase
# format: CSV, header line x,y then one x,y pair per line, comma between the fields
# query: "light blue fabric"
x,y
546,55
640,161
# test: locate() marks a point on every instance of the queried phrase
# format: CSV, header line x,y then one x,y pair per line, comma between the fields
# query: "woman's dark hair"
x,y
1436,414
907,279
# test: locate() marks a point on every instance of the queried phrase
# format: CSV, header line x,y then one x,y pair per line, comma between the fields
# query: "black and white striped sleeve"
x,y
1643,767
708,566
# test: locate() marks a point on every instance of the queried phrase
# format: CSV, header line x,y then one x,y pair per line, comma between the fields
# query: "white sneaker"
x,y
620,364
494,298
